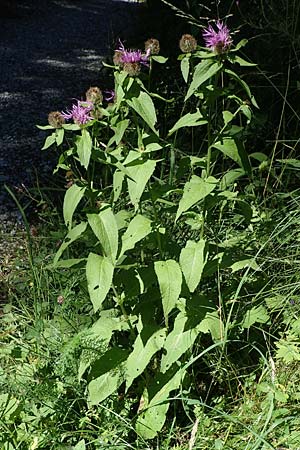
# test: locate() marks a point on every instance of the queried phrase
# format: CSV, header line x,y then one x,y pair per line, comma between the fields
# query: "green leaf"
x,y
72,235
152,419
149,341
138,228
185,68
102,330
195,190
203,72
144,106
8,406
84,148
71,200
288,350
234,150
159,59
240,61
80,445
119,131
118,179
110,369
212,324
169,279
227,117
243,263
244,86
177,342
257,314
189,120
105,228
139,173
192,261
99,273
230,177
59,136
50,140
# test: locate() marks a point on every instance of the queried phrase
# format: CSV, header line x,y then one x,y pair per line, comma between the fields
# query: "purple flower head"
x,y
80,112
132,56
218,41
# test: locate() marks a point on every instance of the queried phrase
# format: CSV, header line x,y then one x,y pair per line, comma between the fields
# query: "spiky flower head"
x,y
94,95
123,56
80,112
132,68
218,40
187,43
55,119
152,46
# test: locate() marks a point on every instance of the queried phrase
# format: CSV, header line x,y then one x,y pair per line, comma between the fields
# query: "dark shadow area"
x,y
51,52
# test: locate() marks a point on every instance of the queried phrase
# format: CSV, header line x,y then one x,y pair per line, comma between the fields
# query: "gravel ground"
x,y
50,52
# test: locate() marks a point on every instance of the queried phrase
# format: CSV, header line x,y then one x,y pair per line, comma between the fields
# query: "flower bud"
x,y
133,69
117,58
55,119
187,43
152,46
94,95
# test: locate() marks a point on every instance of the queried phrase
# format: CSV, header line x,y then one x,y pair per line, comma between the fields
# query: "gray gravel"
x,y
50,53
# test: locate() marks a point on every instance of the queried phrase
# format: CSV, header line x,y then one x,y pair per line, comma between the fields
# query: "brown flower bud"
x,y
187,43
152,45
55,119
94,95
133,69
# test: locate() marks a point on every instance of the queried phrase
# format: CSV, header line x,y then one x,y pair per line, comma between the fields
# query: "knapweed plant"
x,y
164,223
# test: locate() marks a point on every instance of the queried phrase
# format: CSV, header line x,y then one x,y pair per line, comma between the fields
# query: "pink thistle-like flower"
x,y
80,112
218,41
132,56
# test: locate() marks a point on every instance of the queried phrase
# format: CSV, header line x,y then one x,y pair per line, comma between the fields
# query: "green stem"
x,y
156,220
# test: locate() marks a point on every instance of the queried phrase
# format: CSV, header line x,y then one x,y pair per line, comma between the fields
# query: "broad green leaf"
x,y
160,59
177,342
72,198
203,72
80,445
257,314
152,419
59,136
67,263
212,324
235,151
84,148
105,228
169,279
138,228
185,68
242,62
119,131
244,86
118,179
230,177
50,140
144,106
195,190
192,261
243,263
102,330
189,120
139,173
149,341
99,273
72,235
110,370
227,117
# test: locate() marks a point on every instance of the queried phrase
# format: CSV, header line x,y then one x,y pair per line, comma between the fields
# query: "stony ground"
x,y
51,52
